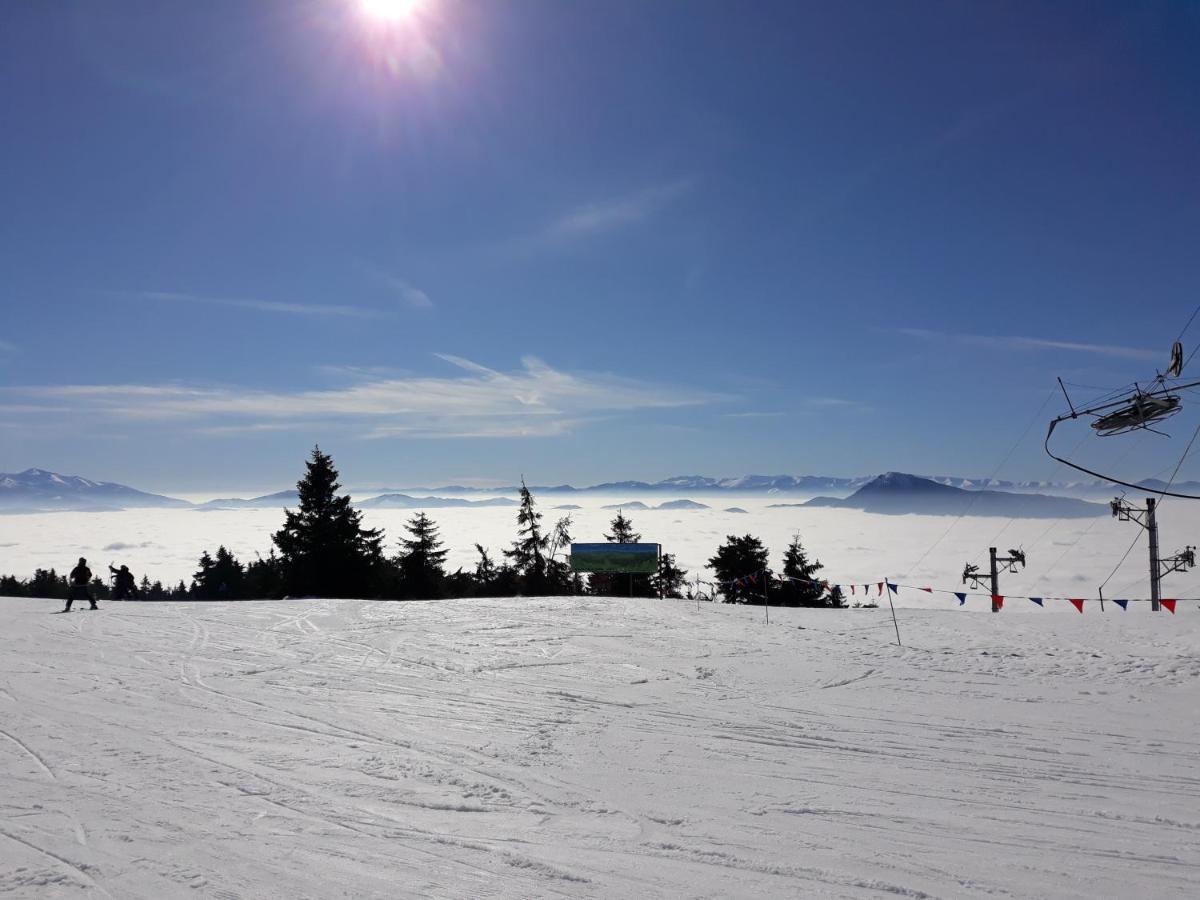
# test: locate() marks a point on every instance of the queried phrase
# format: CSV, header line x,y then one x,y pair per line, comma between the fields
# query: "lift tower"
x,y
1009,563
1144,516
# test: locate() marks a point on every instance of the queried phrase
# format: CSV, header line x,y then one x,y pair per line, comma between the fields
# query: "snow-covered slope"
x,y
594,748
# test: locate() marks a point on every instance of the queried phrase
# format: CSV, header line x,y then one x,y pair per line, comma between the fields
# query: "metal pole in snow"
x,y
766,607
888,585
1152,527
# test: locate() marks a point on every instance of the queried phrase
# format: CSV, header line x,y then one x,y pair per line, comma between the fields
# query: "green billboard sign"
x,y
624,559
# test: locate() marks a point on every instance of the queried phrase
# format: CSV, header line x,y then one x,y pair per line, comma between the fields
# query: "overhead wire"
x,y
975,496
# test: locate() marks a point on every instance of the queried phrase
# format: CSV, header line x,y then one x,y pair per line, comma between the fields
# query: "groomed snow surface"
x,y
590,747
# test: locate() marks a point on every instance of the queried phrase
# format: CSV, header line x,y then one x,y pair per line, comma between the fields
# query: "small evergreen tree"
x,y
48,583
220,578
485,572
631,585
323,548
668,582
806,589
622,531
741,565
528,553
264,577
11,586
422,560
558,571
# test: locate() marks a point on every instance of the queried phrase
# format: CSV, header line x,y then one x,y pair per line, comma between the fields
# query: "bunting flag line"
x,y
894,588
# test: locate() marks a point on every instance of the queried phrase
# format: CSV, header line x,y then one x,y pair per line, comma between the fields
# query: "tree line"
x,y
324,550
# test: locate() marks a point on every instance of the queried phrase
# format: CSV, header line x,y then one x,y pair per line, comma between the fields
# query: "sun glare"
x,y
389,10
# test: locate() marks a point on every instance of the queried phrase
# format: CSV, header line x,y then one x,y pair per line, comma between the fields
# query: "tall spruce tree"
x,y
422,560
528,553
668,581
741,565
323,548
806,589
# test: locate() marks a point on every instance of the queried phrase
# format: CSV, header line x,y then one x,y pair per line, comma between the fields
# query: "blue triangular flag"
x,y
1121,603
1037,600
962,598
894,588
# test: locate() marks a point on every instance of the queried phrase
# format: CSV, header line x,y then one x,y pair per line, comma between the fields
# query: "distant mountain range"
x,y
670,504
898,494
403,501
38,489
802,484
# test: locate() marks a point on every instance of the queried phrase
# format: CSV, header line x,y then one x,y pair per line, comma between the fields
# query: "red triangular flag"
x,y
927,590
1169,604
997,601
1078,604
880,587
851,589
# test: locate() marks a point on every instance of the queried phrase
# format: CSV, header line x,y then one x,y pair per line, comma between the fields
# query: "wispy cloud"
x,y
1011,342
408,293
271,306
534,400
7,347
613,213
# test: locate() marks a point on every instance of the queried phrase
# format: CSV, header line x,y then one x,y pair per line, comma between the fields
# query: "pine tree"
x,y
558,572
485,571
264,577
630,585
806,590
323,548
622,531
668,581
528,553
422,560
48,583
741,565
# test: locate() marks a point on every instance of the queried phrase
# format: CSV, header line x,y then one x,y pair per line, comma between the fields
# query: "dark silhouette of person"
x,y
124,584
78,588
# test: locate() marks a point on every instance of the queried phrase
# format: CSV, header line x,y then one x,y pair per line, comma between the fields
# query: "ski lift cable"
x,y
1053,474
1041,537
1137,537
995,471
1190,320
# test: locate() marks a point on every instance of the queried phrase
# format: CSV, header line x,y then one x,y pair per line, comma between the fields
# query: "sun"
x,y
389,10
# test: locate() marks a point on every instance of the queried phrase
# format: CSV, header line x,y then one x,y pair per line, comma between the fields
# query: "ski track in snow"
x,y
590,747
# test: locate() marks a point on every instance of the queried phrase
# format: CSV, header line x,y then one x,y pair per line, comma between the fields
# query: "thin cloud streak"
x,y
1012,342
533,401
616,212
408,293
296,309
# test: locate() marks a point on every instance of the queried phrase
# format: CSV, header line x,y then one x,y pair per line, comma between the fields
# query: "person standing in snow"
x,y
124,584
81,575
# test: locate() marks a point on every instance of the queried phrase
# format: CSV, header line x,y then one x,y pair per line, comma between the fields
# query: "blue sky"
x,y
584,241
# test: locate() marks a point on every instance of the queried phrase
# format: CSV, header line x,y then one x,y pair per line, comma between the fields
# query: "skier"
x,y
123,583
78,588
